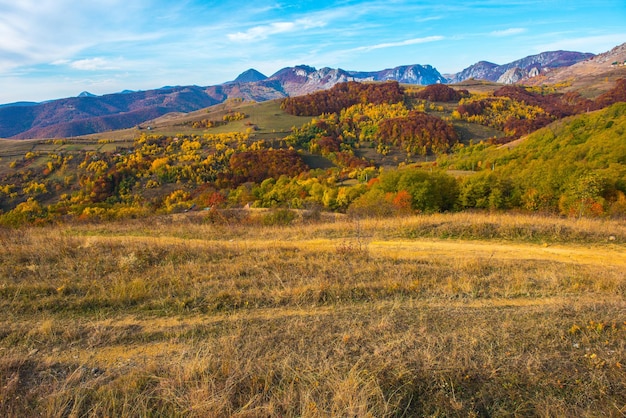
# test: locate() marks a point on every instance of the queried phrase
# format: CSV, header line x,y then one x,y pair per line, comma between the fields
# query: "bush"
x,y
279,217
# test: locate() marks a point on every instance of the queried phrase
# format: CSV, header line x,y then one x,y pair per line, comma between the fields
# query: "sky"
x,y
52,49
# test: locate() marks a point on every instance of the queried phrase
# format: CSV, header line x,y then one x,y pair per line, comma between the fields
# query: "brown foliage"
x,y
345,159
341,96
616,94
473,108
440,93
557,105
419,133
519,127
256,166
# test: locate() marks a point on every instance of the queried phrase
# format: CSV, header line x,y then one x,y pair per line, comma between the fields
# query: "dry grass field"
x,y
202,316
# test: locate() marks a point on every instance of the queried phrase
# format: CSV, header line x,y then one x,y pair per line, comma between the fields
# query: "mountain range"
x,y
524,68
88,113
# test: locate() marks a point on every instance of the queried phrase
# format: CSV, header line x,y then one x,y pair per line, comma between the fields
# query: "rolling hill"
x,y
87,114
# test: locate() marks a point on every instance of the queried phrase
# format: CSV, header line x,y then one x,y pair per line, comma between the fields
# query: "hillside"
x,y
365,149
577,165
590,77
87,114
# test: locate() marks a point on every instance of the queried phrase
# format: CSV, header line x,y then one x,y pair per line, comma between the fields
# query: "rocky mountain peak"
x,y
513,75
525,68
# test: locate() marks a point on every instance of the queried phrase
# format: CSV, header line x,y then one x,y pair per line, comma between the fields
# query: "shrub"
x,y
279,217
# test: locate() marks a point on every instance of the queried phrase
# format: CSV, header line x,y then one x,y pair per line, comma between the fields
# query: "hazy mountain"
x,y
408,74
19,104
303,79
527,67
82,115
482,70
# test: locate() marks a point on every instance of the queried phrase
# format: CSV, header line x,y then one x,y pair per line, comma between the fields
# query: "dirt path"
x,y
579,254
609,254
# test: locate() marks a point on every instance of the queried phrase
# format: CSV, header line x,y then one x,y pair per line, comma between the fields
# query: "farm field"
x,y
205,314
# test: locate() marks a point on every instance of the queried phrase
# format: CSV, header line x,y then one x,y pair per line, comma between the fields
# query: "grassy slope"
x,y
447,315
271,122
595,139
267,116
589,141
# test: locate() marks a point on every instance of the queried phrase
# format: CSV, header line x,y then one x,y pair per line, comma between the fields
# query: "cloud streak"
x,y
508,32
93,64
407,42
259,33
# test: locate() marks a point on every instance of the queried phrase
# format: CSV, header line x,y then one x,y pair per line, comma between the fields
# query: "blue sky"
x,y
57,48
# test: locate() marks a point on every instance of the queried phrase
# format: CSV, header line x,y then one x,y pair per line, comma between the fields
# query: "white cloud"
x,y
407,42
258,33
428,19
43,31
508,32
93,64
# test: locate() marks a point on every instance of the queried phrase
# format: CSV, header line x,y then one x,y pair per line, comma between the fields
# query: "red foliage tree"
x,y
616,94
440,93
341,96
419,132
256,166
345,159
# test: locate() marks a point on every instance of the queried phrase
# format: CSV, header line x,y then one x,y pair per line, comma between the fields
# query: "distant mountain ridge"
x,y
88,114
591,74
303,79
515,71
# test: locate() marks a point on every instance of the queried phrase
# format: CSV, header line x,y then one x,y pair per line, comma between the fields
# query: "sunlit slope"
x,y
580,154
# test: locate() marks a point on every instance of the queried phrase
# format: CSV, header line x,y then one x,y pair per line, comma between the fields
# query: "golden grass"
x,y
443,315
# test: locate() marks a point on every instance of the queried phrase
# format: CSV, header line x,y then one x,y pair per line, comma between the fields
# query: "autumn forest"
x,y
372,149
